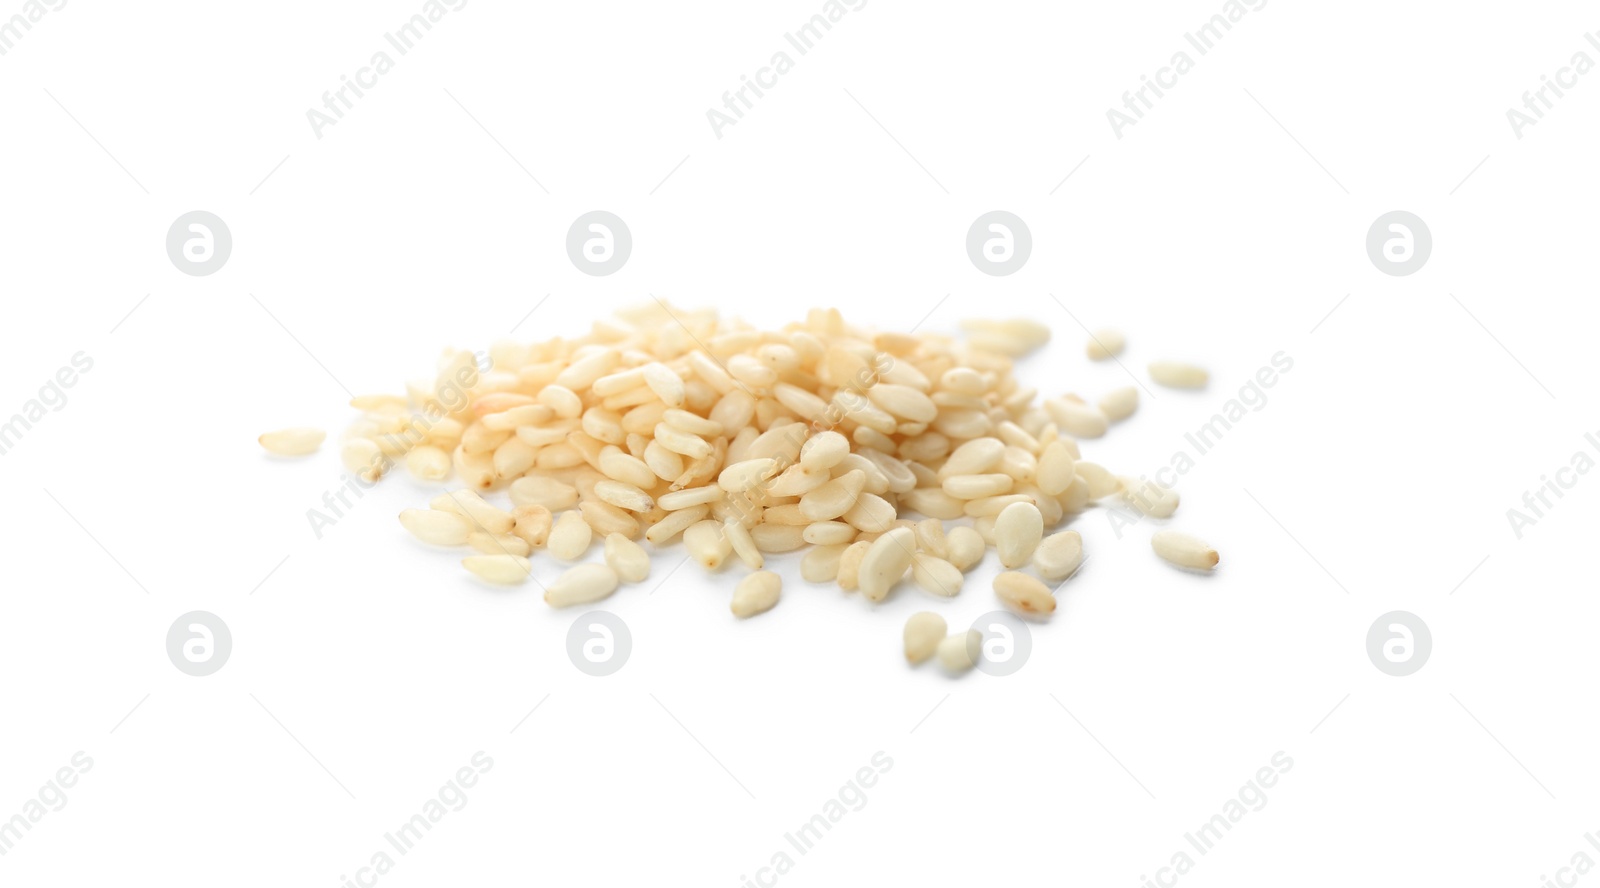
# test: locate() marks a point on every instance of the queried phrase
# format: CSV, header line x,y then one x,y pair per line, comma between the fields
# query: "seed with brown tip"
x,y
1024,594
707,543
1183,550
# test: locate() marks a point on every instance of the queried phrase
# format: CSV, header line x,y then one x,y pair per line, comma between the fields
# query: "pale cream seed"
x,y
756,593
582,584
924,630
292,441
1183,550
629,559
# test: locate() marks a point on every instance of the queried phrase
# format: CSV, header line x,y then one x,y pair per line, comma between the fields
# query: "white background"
x,y
1222,228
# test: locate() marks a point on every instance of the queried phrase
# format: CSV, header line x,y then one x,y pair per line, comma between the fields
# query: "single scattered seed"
x,y
1173,374
437,528
504,570
581,584
964,547
1119,404
1105,343
1183,550
1150,497
959,652
292,442
924,630
629,559
1024,594
1058,555
756,593
570,537
935,575
885,562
